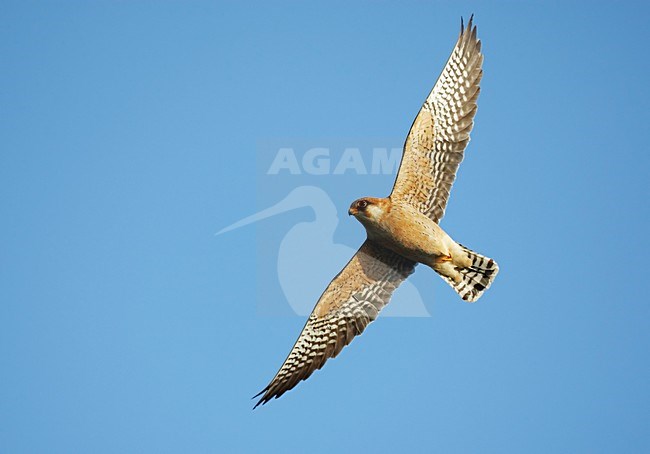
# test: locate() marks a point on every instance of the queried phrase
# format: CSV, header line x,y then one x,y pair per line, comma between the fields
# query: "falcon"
x,y
403,228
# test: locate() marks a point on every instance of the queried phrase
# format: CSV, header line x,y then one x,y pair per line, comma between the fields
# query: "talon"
x,y
443,258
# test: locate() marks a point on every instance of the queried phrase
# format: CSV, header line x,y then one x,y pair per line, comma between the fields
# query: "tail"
x,y
476,278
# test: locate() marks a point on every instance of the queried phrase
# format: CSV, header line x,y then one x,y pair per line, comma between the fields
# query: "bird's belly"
x,y
416,241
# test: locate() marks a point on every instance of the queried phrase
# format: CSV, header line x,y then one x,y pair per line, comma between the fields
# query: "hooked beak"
x,y
352,211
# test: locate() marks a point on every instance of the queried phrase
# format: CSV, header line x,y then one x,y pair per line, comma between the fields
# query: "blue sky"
x,y
133,131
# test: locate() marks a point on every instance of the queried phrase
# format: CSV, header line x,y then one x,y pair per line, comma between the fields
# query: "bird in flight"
x,y
402,229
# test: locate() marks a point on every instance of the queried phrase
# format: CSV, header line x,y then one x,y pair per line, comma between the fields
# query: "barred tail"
x,y
476,278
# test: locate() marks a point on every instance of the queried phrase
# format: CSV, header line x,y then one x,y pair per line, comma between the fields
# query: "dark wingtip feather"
x,y
260,393
471,30
263,400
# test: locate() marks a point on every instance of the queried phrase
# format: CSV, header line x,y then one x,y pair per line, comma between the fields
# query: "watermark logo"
x,y
318,161
304,190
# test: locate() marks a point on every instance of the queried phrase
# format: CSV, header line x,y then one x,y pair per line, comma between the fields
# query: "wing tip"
x,y
265,398
468,38
471,28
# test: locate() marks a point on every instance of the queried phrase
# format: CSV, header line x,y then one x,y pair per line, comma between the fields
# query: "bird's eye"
x,y
362,204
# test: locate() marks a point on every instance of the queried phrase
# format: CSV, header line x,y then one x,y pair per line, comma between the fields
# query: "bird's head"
x,y
369,210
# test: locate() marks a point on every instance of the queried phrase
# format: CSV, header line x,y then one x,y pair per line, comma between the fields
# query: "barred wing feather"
x,y
437,140
351,301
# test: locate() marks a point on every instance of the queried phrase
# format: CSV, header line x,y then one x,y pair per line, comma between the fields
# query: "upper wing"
x,y
351,301
436,142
